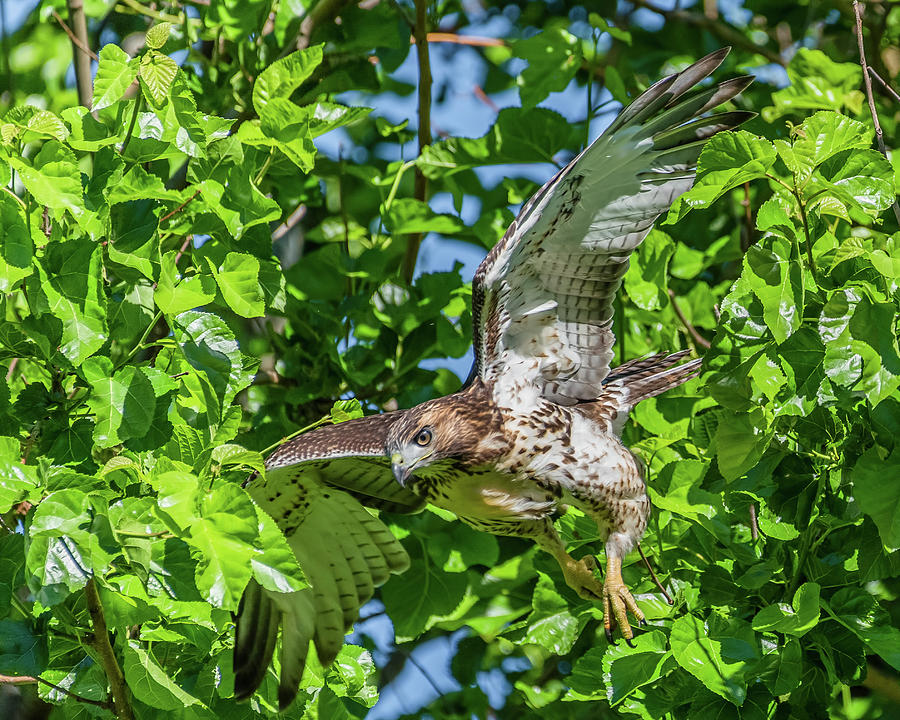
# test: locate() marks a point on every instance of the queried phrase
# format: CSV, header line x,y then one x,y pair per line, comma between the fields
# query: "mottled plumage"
x,y
537,426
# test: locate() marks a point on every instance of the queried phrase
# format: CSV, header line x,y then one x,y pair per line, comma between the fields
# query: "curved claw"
x,y
630,643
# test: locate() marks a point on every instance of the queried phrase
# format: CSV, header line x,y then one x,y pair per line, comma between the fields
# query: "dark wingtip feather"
x,y
254,640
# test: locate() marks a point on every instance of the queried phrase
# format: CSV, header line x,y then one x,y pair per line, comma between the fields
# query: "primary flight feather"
x,y
538,424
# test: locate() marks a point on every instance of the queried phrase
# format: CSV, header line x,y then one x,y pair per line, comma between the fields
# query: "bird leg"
x,y
579,574
617,600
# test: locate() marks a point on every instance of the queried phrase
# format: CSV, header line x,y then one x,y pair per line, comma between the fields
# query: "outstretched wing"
x,y
313,487
543,297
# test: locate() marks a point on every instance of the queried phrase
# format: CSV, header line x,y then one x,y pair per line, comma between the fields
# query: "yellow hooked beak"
x,y
400,469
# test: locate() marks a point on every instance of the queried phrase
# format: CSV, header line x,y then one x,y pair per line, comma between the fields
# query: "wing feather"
x,y
313,487
543,297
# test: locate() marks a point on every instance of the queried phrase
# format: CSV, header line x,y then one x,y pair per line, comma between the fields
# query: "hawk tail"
x,y
648,377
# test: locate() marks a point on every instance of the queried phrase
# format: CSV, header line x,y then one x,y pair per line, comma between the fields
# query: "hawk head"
x,y
454,427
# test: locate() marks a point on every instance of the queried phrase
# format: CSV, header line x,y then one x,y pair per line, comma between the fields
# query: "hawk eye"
x,y
424,437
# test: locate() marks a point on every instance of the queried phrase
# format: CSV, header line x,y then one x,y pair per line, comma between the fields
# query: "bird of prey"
x,y
535,428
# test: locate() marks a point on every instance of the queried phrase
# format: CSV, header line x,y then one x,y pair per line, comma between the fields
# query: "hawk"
x,y
537,425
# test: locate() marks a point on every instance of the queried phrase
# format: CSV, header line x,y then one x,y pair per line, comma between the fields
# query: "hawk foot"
x,y
579,575
617,602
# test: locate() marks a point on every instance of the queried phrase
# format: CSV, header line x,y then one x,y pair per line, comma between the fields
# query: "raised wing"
x,y
313,487
543,297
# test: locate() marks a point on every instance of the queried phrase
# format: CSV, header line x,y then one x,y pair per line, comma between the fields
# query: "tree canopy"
x,y
223,222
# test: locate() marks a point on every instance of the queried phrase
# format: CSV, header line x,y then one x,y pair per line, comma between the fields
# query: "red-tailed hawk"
x,y
538,424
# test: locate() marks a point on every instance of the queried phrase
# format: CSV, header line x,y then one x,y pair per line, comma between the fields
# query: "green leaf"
x,y
781,669
224,535
776,278
53,179
415,601
175,294
68,285
210,348
16,247
701,656
408,215
729,159
646,280
22,651
880,500
115,73
273,563
740,444
819,138
554,56
150,683
238,280
157,74
157,35
817,83
552,623
860,613
616,671
796,619
123,402
519,135
285,75
17,481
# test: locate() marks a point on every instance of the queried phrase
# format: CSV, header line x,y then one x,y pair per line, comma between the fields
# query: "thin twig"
x,y
867,81
653,575
73,37
754,527
747,238
472,40
888,88
421,183
80,51
716,27
179,208
292,220
29,680
698,338
106,656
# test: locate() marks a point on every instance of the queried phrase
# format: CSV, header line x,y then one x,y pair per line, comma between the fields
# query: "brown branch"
x,y
867,80
179,208
118,688
715,26
320,12
80,51
73,37
888,88
471,40
880,682
29,680
292,220
421,184
653,575
697,337
754,527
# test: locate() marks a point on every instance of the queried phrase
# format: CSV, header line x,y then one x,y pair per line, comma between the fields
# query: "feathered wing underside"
x,y
313,487
543,297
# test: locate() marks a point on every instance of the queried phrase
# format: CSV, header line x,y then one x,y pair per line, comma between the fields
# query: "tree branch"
x,y
118,688
421,184
81,52
29,680
715,26
697,337
867,81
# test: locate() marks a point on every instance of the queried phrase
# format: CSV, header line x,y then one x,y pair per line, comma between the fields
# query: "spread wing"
x,y
313,487
543,297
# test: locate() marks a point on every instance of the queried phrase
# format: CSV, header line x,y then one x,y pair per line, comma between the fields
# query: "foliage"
x,y
155,344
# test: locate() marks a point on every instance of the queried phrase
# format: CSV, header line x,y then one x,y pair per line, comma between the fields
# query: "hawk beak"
x,y
400,470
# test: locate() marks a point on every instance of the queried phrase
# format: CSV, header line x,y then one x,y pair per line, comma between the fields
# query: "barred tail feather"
x,y
647,377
